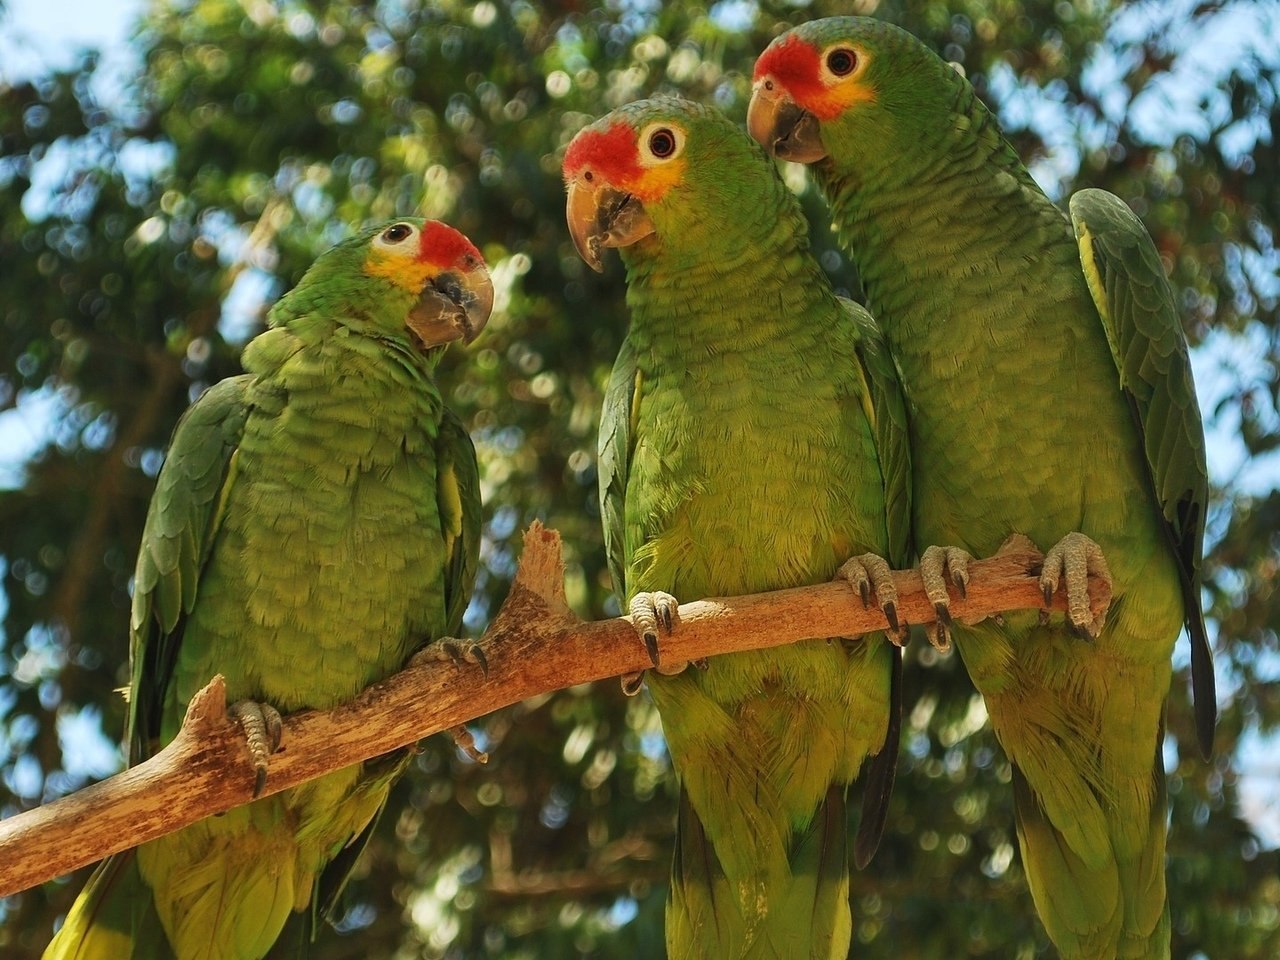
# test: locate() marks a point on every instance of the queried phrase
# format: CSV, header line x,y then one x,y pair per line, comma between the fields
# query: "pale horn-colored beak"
x,y
601,216
455,305
781,127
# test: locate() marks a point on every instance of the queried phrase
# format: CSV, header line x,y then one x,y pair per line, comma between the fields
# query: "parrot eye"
x,y
842,61
662,143
397,233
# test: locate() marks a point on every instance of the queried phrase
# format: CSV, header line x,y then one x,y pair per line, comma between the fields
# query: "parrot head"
x,y
660,174
443,272
853,90
409,275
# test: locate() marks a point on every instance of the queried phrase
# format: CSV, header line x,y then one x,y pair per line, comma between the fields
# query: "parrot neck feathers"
x,y
732,288
922,218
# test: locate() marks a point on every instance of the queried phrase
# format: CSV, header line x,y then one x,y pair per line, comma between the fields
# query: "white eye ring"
x,y
397,236
659,143
851,56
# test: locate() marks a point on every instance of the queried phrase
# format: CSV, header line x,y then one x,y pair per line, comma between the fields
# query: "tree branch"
x,y
535,645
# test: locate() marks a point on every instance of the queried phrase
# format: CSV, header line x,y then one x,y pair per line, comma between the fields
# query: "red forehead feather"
x,y
793,63
444,246
611,152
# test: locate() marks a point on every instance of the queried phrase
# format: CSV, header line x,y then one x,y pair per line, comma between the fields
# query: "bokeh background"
x,y
168,170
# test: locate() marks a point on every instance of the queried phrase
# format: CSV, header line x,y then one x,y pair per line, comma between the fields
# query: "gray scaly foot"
x,y
452,650
262,731
460,653
1074,558
938,567
869,573
653,615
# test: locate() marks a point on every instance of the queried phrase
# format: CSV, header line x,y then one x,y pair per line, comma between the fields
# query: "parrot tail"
x,y
114,918
800,915
1112,910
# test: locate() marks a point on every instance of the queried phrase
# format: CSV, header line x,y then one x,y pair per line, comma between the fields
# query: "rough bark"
x,y
535,645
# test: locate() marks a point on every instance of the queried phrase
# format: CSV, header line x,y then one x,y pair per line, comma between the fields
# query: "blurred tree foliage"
x,y
146,222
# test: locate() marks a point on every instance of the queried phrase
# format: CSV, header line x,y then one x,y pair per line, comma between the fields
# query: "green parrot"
x,y
1049,392
752,438
316,520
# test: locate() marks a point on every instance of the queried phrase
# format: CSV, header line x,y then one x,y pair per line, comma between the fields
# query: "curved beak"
x,y
601,216
452,306
781,127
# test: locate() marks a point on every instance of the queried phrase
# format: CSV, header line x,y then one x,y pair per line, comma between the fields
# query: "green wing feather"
x,y
887,413
1136,305
613,455
182,523
460,515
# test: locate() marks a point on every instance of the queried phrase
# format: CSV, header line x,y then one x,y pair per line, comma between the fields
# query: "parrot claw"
x,y
263,729
943,613
452,650
869,572
938,566
1074,559
941,637
897,626
653,614
651,646
632,682
465,742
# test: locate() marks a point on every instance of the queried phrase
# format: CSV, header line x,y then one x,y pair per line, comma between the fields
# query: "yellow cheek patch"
x,y
407,273
832,101
654,181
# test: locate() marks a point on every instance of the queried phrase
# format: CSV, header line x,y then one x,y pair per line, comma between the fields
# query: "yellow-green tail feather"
x,y
114,918
802,914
